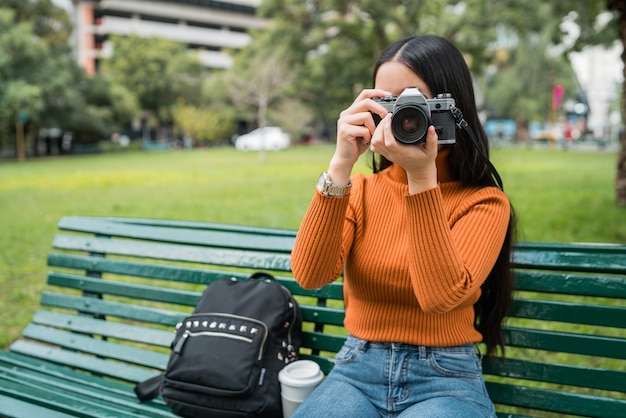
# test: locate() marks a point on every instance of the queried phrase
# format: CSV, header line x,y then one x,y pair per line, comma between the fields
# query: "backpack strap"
x,y
149,388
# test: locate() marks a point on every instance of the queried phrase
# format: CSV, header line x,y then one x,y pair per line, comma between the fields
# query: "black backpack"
x,y
226,356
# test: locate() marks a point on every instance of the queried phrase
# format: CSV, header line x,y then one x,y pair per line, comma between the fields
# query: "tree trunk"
x,y
20,146
262,122
620,179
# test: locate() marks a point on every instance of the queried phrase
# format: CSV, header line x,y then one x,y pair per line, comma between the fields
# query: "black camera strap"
x,y
464,126
460,121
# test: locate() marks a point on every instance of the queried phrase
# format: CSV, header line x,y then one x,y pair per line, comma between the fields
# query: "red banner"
x,y
557,96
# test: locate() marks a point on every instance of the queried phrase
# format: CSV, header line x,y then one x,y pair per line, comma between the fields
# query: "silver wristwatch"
x,y
326,187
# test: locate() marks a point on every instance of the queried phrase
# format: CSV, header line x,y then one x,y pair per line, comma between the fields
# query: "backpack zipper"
x,y
181,341
294,316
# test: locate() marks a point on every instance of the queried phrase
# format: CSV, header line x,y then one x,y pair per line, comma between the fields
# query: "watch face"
x,y
321,181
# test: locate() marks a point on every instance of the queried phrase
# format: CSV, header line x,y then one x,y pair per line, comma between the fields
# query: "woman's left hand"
x,y
418,160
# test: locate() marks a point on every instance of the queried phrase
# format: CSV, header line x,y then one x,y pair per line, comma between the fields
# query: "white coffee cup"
x,y
297,381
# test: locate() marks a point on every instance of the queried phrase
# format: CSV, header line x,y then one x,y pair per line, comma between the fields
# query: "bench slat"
x,y
571,284
95,346
164,232
609,259
96,398
117,309
138,269
126,289
608,316
81,361
54,378
12,407
323,342
85,224
592,345
55,372
332,291
556,401
556,373
68,403
109,329
40,398
322,315
175,252
589,248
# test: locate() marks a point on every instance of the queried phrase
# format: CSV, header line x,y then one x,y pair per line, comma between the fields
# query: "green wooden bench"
x,y
117,287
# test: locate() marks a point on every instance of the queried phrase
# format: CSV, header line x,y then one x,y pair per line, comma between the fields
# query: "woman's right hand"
x,y
355,128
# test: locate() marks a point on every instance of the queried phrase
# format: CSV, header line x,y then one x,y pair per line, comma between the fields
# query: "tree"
x,y
34,38
50,22
159,72
205,124
98,108
41,87
259,77
338,41
21,98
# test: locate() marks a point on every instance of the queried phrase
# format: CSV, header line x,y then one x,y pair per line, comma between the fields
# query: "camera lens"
x,y
409,124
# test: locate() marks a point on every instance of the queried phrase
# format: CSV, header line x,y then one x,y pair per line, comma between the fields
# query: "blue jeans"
x,y
399,380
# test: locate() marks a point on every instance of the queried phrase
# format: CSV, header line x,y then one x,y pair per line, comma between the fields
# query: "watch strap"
x,y
328,188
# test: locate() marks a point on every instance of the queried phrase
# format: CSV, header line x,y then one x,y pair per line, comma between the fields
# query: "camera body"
x,y
413,113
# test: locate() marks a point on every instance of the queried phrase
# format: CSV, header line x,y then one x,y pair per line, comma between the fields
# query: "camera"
x,y
413,113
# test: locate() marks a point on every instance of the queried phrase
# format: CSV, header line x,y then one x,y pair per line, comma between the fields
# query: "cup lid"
x,y
301,373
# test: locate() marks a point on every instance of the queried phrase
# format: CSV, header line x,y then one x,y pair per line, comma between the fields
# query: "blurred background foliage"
x,y
299,72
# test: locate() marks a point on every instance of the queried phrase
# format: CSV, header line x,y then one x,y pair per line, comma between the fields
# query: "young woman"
x,y
423,244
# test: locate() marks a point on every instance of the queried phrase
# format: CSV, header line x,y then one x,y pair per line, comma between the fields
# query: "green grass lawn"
x,y
558,195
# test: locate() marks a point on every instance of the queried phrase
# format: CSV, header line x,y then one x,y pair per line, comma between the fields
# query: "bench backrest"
x,y
132,280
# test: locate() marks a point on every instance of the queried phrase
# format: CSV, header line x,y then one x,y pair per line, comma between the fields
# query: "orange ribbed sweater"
x,y
413,264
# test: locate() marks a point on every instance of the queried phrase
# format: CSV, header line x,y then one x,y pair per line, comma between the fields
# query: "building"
x,y
207,26
600,72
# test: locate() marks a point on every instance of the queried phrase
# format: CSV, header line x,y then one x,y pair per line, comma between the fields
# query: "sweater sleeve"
x,y
458,252
318,254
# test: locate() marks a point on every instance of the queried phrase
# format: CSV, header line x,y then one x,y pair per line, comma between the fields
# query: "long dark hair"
x,y
442,67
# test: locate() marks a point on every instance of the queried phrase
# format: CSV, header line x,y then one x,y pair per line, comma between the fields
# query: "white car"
x,y
268,138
